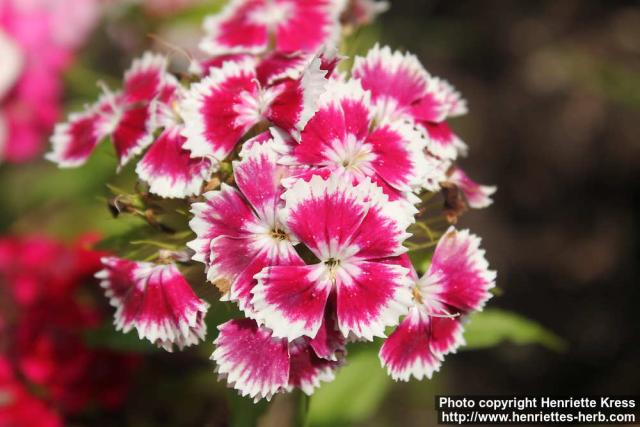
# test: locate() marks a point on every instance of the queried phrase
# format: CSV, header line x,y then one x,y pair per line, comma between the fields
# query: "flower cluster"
x,y
44,316
304,181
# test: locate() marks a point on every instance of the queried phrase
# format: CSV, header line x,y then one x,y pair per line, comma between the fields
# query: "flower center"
x,y
352,155
279,235
251,106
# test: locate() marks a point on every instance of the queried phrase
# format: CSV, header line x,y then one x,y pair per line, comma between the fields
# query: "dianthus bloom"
x,y
307,186
154,299
42,324
457,283
31,76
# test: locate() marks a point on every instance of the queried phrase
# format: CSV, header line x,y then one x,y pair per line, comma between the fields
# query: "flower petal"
x,y
117,278
169,169
399,155
443,142
74,141
324,214
258,177
144,79
297,100
291,299
235,262
396,80
382,230
459,274
307,369
169,313
329,341
224,213
277,66
309,24
220,109
236,29
154,299
133,132
407,351
373,296
252,361
477,196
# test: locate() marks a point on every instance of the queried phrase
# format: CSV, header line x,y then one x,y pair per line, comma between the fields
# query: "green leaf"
x,y
355,394
494,326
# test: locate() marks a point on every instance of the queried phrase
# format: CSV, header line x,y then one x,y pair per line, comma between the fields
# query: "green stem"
x,y
416,247
301,411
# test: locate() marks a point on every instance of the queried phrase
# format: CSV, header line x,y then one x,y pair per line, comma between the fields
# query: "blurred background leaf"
x,y
494,326
355,394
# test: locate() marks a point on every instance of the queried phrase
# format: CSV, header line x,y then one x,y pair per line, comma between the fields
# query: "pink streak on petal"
x,y
297,100
428,109
168,311
117,278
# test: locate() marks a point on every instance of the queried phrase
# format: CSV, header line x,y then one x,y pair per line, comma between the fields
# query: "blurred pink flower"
x,y
39,38
45,311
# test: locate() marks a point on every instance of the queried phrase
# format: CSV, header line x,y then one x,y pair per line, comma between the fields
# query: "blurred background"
x,y
554,95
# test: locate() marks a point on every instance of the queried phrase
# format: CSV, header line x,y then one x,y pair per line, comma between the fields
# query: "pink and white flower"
x,y
220,109
401,88
154,299
350,229
248,26
128,116
239,231
149,102
477,196
344,137
457,283
260,365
